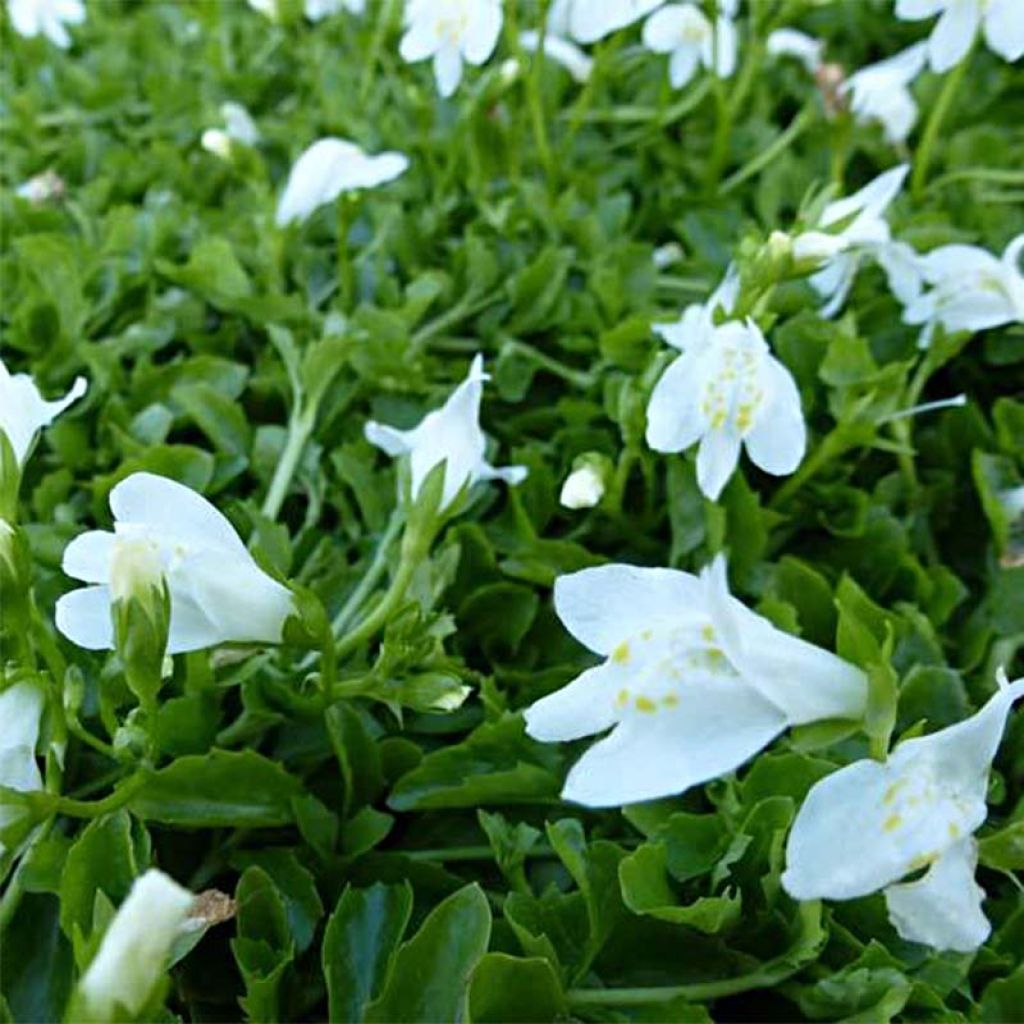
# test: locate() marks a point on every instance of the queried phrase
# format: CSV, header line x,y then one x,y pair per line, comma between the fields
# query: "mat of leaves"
x,y
391,862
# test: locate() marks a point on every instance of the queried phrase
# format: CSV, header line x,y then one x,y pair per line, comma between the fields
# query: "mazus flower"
x,y
239,128
869,825
218,593
684,32
849,230
788,42
327,169
692,684
21,711
451,435
1001,23
880,92
451,32
49,18
726,390
24,411
588,21
133,956
967,289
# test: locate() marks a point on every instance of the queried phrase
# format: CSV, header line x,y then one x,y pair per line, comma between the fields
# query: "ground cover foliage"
x,y
398,850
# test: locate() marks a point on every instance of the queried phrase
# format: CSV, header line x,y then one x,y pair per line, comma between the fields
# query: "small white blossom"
x,y
451,435
561,51
726,390
583,488
588,21
451,32
880,92
693,683
667,255
858,224
1001,23
917,809
788,42
41,188
24,411
316,10
218,592
327,169
136,949
21,709
46,17
265,7
686,34
968,289
239,127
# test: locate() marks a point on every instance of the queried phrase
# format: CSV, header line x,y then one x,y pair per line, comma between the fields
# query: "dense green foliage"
x,y
397,862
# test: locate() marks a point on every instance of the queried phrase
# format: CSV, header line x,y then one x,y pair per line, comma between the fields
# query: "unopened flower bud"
x,y
217,142
584,487
134,954
815,247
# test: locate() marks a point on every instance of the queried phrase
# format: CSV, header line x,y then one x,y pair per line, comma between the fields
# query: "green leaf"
x,y
359,946
432,970
507,989
219,789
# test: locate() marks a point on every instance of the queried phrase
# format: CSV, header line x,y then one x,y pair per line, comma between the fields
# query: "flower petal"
x,y
483,31
21,708
942,909
720,723
953,34
778,439
447,69
913,10
608,604
682,65
171,511
83,616
1004,28
674,418
858,810
87,557
717,456
581,708
390,440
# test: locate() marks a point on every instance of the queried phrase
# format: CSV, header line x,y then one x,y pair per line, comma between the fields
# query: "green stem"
x,y
80,732
16,886
934,125
785,139
466,308
65,805
903,429
344,269
300,427
534,98
828,448
372,575
380,30
415,546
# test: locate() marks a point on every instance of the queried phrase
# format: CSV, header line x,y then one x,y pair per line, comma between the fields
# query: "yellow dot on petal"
x,y
892,822
623,698
890,793
954,830
670,700
621,653
922,860
646,705
708,633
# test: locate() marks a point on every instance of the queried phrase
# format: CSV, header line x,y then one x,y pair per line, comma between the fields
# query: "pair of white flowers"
x,y
691,39
727,391
1001,22
48,18
693,684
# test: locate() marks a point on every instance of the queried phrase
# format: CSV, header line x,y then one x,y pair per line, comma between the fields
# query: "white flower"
x,y
327,169
218,592
860,229
1001,21
684,32
561,51
788,42
693,682
725,390
266,7
583,488
41,188
238,127
450,31
21,709
451,435
667,255
587,21
870,824
970,290
316,10
880,92
24,411
46,17
136,948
